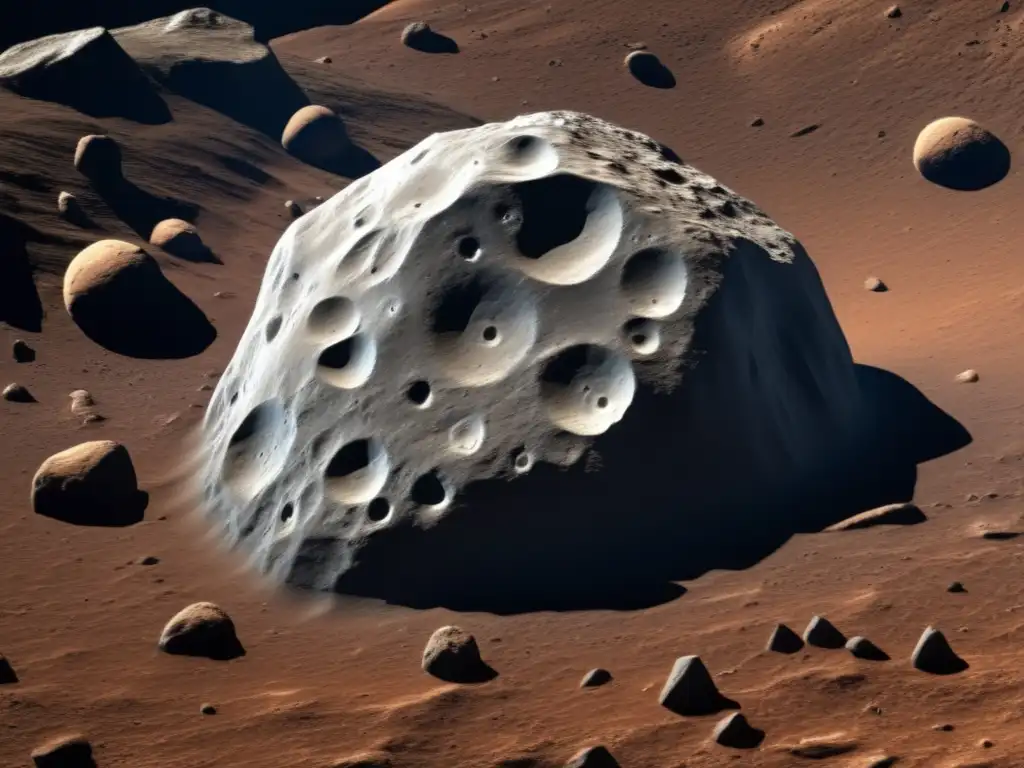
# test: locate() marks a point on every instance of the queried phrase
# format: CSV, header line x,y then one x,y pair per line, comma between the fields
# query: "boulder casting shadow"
x,y
591,549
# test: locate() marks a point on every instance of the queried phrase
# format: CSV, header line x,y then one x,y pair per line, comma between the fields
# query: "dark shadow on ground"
x,y
99,515
142,210
565,539
354,163
20,305
651,72
429,41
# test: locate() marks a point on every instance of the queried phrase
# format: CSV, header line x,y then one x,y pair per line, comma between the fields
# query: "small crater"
x,y
654,283
419,393
530,154
378,510
349,363
641,335
489,334
273,328
522,460
468,248
257,449
357,472
586,389
286,512
467,435
429,490
334,317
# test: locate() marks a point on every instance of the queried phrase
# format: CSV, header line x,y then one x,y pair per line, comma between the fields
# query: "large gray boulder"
x,y
520,356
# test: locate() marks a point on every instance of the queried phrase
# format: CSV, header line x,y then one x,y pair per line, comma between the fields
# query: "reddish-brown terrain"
x,y
80,616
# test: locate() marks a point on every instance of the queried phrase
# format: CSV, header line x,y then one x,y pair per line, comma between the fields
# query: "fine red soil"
x,y
80,617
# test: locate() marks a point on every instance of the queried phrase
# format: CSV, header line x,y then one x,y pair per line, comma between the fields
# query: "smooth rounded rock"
x,y
179,238
960,154
98,158
315,134
92,483
201,629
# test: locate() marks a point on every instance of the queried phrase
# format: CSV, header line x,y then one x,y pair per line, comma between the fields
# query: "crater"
x,y
357,472
484,328
257,450
529,155
334,317
654,283
429,491
642,336
586,389
349,363
378,509
419,393
570,228
466,436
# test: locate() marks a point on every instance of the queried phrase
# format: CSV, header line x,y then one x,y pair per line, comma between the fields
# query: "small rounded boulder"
x,y
202,629
92,483
315,134
960,154
98,158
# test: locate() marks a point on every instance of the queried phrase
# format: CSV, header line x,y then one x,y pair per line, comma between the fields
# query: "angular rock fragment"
x,y
201,629
863,648
891,514
92,483
86,70
593,757
22,352
17,393
64,752
956,587
452,654
823,634
689,689
784,640
7,673
595,678
420,299
934,654
875,285
735,731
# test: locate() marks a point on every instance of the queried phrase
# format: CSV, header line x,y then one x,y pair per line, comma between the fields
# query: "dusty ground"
x,y
80,618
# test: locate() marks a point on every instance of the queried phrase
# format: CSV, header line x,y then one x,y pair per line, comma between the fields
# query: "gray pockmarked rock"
x,y
784,640
823,634
689,689
593,757
934,654
495,299
452,654
735,731
201,629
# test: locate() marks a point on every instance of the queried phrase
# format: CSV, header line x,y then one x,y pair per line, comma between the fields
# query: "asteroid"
x,y
436,348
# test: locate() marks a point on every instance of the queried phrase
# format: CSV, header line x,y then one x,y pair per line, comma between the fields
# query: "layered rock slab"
x,y
506,318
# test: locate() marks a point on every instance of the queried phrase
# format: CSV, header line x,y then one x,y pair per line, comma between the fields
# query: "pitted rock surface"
x,y
486,307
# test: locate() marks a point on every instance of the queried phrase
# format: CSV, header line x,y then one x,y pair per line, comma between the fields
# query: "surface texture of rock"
x,y
201,629
91,483
452,654
495,304
118,295
958,153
